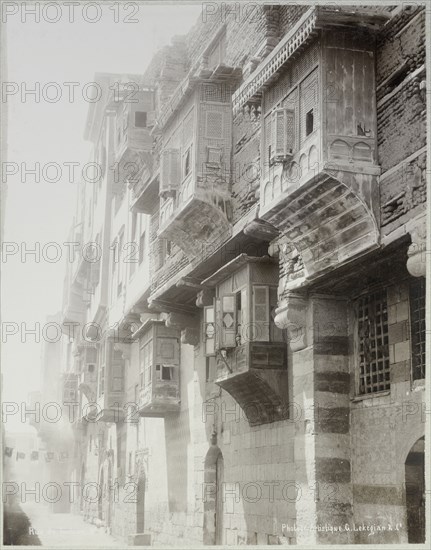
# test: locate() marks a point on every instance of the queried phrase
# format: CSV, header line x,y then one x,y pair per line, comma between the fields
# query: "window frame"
x,y
246,334
417,338
134,119
357,348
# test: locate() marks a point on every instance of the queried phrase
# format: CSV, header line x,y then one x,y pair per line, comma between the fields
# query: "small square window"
x,y
214,155
140,119
309,122
167,373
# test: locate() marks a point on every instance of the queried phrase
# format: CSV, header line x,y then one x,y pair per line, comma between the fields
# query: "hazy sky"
x,y
51,132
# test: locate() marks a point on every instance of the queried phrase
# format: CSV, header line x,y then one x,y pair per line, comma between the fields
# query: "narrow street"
x,y
38,526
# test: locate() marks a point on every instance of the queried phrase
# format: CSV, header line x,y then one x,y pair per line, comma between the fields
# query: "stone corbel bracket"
x,y
291,315
187,324
205,297
417,253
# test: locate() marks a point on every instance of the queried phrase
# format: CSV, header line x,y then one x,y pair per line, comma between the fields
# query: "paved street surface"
x,y
37,525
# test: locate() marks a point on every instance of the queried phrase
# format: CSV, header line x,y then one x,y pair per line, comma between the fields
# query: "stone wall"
x,y
246,163
383,430
401,116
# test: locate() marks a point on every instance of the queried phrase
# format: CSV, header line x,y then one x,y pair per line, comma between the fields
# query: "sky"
x,y
47,128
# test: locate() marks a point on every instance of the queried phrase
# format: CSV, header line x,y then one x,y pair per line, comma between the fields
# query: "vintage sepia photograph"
x,y
215,306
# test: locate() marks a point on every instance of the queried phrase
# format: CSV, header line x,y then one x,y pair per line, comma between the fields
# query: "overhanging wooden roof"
x,y
241,260
317,17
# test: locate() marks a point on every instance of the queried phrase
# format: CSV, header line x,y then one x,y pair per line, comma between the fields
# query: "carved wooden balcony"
x,y
318,159
132,141
159,351
251,351
111,383
195,164
87,380
73,305
145,186
69,388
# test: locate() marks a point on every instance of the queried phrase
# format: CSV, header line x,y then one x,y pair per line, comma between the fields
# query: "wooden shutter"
x,y
245,317
228,321
170,172
267,145
283,134
167,352
117,379
209,330
261,313
217,317
278,131
290,131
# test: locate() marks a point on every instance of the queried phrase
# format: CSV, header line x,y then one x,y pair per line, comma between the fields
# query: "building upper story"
x,y
279,119
283,133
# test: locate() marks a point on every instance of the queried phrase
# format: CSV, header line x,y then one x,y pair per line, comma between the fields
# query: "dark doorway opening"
x,y
415,492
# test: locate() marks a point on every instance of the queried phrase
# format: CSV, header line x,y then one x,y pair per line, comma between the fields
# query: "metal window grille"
x,y
417,316
374,369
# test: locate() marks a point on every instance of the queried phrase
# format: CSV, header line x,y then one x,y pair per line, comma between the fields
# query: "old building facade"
x,y
245,325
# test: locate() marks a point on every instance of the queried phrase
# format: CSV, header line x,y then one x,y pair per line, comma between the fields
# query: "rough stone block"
x,y
398,332
402,351
402,311
336,382
333,470
139,539
400,372
393,295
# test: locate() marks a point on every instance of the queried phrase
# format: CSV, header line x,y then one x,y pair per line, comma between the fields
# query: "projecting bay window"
x,y
417,324
373,343
289,125
70,386
159,368
250,351
117,372
170,178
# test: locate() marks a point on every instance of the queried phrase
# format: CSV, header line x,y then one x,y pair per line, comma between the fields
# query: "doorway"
x,y
213,497
140,504
81,504
415,492
219,500
101,494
